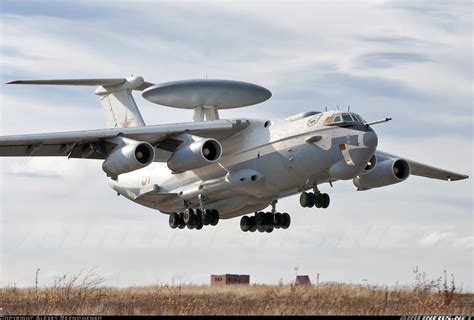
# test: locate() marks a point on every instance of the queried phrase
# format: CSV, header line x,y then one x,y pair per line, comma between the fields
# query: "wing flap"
x,y
424,170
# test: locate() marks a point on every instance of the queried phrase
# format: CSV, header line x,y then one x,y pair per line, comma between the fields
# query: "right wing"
x,y
97,144
424,170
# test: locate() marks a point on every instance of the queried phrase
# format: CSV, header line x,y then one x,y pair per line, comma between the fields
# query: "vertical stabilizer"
x,y
120,108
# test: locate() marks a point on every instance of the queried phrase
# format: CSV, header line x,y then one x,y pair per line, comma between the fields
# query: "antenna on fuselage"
x,y
326,109
337,107
348,108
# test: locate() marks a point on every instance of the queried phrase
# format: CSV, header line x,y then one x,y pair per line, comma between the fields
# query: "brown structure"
x,y
224,279
303,280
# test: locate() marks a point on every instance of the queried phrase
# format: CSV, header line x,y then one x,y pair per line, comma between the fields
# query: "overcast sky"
x,y
404,59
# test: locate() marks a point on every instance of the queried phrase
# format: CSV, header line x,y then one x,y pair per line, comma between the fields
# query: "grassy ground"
x,y
326,299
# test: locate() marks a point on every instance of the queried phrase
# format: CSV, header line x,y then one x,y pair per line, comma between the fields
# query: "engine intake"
x,y
386,172
130,156
194,152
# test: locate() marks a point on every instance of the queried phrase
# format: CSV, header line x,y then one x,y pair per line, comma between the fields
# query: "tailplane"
x,y
115,94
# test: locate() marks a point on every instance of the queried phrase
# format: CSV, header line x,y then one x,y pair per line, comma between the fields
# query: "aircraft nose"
x,y
370,139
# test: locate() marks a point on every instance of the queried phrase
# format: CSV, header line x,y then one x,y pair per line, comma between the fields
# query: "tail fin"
x,y
115,94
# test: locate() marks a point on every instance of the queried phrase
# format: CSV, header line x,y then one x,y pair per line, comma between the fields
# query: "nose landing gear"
x,y
316,199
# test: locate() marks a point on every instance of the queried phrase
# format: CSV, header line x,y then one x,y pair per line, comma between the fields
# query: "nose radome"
x,y
370,139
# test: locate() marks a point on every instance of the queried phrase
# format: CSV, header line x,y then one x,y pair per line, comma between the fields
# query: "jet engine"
x,y
193,153
386,172
131,155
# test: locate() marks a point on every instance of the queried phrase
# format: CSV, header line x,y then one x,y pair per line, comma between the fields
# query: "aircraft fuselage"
x,y
266,161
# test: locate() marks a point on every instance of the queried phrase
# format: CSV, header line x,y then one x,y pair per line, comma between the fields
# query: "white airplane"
x,y
210,169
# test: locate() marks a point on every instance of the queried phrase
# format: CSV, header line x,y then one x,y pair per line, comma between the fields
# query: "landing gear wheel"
x,y
286,221
326,200
215,218
181,221
253,225
174,220
190,226
198,217
278,220
260,221
188,216
306,199
319,200
268,221
199,226
245,224
206,217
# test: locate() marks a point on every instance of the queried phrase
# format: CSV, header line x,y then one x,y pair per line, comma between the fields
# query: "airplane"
x,y
209,169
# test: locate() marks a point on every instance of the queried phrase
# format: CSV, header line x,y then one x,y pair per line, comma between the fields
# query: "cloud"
x,y
390,59
402,41
434,238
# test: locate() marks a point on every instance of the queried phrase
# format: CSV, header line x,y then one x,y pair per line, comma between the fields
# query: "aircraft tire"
x,y
326,200
311,200
278,220
269,223
286,220
199,226
260,218
190,226
319,200
188,216
174,220
304,199
181,221
206,217
269,229
253,225
215,217
245,224
198,217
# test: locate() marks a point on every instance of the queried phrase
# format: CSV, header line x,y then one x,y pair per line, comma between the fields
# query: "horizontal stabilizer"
x,y
83,82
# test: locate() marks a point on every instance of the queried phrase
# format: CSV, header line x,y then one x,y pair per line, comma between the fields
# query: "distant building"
x,y
303,280
224,279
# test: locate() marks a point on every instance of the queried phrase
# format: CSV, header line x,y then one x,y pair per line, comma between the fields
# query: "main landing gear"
x,y
194,218
318,200
265,221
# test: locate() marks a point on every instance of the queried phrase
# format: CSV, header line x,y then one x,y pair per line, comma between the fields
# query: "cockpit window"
x,y
343,118
347,117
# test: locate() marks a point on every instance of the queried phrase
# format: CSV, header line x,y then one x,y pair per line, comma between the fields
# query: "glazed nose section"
x,y
370,139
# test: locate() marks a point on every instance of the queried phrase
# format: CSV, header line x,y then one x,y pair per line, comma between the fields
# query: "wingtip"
x,y
14,82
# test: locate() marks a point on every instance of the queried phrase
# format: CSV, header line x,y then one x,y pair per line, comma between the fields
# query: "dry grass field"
x,y
73,295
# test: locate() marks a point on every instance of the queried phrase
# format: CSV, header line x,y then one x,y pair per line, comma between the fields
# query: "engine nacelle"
x,y
386,172
193,153
130,156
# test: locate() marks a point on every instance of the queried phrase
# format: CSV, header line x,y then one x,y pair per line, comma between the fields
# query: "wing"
x,y
423,170
96,144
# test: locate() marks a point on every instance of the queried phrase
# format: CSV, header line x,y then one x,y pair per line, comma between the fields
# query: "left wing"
x,y
97,144
423,170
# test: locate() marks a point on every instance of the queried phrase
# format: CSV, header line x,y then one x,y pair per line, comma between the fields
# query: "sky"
x,y
409,60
